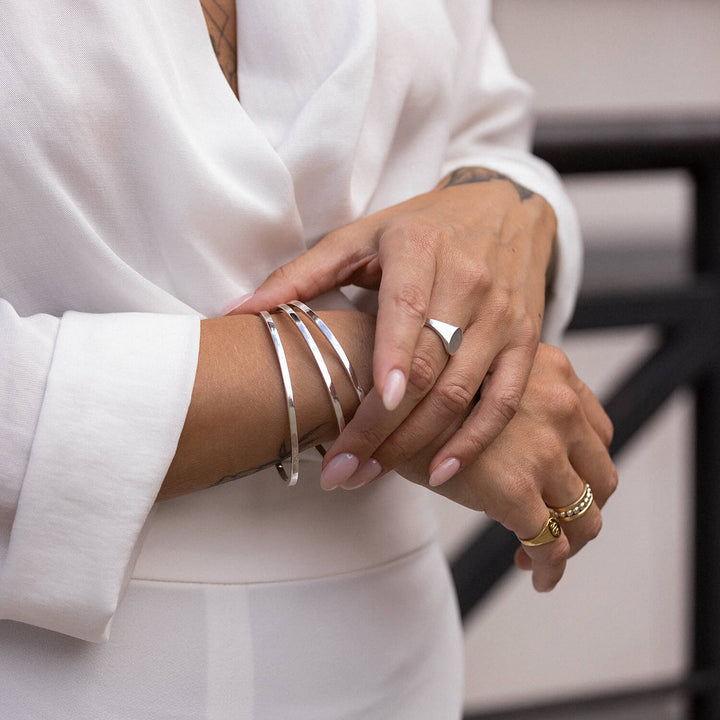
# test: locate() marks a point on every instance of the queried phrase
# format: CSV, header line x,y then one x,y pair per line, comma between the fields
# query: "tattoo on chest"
x,y
467,175
221,20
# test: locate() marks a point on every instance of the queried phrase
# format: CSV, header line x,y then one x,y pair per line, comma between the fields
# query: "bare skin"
x,y
221,20
237,422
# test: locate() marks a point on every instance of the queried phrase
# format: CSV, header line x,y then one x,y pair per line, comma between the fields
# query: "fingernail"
x,y
394,389
443,472
235,304
367,472
338,470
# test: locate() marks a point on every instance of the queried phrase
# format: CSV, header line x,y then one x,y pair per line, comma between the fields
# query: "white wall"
x,y
620,614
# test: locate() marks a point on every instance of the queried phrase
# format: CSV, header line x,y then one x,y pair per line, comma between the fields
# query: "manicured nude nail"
x,y
367,472
443,472
394,389
235,304
338,470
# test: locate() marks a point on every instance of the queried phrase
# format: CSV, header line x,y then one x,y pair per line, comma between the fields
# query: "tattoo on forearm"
x,y
220,17
467,175
310,439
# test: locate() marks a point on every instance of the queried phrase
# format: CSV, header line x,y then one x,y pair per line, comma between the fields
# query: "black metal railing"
x,y
688,317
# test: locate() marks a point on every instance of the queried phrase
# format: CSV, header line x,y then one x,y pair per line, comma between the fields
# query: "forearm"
x,y
237,422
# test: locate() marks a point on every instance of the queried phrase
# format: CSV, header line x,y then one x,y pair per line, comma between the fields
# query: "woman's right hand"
x,y
556,442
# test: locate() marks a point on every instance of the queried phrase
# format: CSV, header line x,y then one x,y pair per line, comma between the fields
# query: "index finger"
x,y
403,301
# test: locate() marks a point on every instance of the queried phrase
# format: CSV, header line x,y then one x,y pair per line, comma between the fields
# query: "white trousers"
x,y
376,644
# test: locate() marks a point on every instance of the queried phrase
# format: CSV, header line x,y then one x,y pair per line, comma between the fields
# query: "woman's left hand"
x,y
474,253
552,456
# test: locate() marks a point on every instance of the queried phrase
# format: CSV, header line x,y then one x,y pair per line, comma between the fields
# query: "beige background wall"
x,y
620,615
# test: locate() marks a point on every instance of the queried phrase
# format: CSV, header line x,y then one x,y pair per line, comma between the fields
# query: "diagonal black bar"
x,y
706,595
481,564
677,363
706,570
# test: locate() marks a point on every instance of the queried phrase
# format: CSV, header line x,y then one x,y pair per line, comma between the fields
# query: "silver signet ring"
x,y
450,335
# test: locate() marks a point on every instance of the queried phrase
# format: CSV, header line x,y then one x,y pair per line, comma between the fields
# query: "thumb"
x,y
327,265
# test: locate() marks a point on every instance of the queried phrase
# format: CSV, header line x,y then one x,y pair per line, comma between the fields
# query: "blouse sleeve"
x,y
492,128
91,409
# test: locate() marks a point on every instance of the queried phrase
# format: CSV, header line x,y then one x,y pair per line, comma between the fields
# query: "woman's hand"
x,y
557,441
474,253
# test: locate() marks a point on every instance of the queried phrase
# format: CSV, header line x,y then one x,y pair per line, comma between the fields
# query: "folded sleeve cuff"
x,y
115,403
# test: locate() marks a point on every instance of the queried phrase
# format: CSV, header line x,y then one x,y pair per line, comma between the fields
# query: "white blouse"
x,y
138,196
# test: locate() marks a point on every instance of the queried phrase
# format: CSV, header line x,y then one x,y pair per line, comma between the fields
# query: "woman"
x,y
140,198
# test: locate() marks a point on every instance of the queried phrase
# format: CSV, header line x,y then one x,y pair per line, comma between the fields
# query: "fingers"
x,y
403,302
500,397
588,462
352,457
547,561
582,528
327,265
445,396
572,451
439,395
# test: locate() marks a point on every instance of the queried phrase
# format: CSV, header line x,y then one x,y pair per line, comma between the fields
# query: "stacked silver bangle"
x,y
292,477
335,344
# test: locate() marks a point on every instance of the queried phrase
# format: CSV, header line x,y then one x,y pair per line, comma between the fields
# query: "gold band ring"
x,y
576,509
550,533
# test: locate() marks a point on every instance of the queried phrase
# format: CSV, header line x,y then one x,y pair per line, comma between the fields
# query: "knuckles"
x,y
423,374
367,436
478,279
606,431
565,404
558,361
285,276
517,494
454,398
415,234
504,403
548,452
411,301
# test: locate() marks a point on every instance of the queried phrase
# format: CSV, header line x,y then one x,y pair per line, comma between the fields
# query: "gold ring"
x,y
550,533
574,510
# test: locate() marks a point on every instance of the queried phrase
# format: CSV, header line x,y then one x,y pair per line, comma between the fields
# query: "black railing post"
x,y
706,585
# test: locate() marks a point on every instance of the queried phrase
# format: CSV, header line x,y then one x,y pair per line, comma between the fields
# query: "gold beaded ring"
x,y
574,510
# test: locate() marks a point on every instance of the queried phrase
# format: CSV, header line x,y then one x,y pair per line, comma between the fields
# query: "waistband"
x,y
256,529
